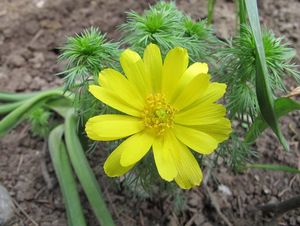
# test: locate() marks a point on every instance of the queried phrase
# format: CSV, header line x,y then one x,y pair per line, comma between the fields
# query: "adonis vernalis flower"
x,y
166,106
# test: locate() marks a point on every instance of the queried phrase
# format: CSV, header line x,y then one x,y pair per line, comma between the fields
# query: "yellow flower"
x,y
167,106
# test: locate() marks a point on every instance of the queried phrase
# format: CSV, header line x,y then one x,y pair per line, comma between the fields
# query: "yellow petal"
x,y
201,115
112,166
174,66
115,101
192,91
195,139
135,71
189,172
192,71
112,127
153,63
136,148
213,93
116,82
219,130
164,160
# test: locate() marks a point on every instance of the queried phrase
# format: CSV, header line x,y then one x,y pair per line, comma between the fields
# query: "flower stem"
x,y
66,179
84,172
210,10
242,13
16,116
6,108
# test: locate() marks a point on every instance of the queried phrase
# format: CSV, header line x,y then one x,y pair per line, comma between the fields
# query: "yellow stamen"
x,y
157,114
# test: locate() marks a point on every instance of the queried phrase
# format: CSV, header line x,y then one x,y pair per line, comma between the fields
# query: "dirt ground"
x,y
31,32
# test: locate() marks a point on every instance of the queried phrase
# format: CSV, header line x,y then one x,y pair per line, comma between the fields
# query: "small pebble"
x,y
6,206
266,190
224,190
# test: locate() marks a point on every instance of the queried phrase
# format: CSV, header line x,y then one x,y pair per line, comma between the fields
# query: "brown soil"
x,y
31,31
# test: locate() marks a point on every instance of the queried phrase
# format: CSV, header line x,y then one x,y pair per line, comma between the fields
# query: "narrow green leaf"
x,y
242,12
10,97
60,106
210,10
16,116
84,172
263,90
283,106
6,108
274,167
66,179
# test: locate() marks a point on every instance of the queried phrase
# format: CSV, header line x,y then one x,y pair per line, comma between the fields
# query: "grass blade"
x,y
85,173
263,90
16,116
283,106
63,170
274,167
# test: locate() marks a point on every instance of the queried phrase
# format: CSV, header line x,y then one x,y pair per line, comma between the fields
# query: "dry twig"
x,y
215,204
18,206
212,198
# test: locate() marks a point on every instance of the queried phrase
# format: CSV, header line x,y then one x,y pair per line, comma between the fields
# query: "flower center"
x,y
157,114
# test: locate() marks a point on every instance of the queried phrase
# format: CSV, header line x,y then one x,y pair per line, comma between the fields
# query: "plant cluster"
x,y
252,64
163,24
85,55
238,62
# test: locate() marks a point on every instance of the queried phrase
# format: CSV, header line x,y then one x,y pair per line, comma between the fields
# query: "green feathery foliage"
x,y
158,25
39,120
203,44
236,152
86,55
238,62
242,99
198,29
165,25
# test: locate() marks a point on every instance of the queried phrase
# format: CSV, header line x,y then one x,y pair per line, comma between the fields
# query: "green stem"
x,y
272,167
16,116
6,108
242,13
66,179
10,97
60,106
84,172
210,10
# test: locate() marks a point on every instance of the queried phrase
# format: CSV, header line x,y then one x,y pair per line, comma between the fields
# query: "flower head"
x,y
168,107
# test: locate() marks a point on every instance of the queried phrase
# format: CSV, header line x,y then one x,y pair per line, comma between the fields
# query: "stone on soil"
x,y
6,206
